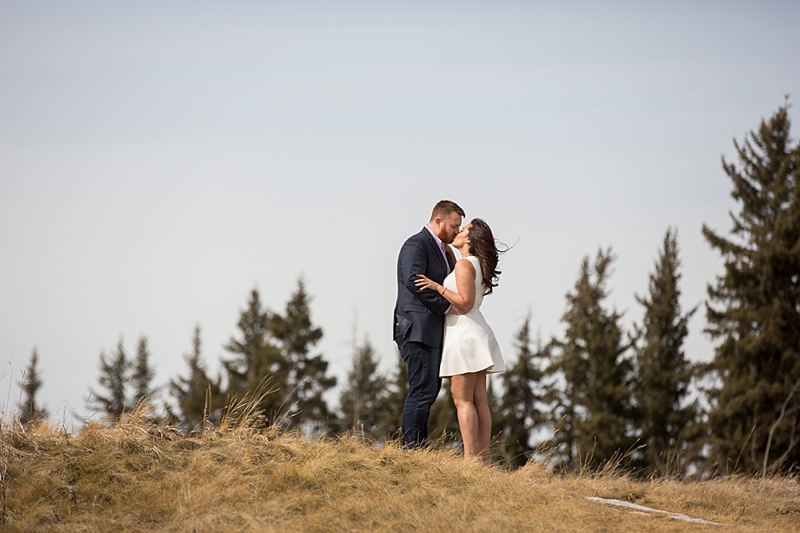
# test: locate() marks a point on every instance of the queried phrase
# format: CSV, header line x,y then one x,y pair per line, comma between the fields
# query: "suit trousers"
x,y
422,366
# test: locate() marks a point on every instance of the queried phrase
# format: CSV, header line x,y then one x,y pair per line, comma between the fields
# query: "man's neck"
x,y
436,237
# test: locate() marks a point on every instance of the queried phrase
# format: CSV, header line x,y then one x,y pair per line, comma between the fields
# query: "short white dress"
x,y
469,343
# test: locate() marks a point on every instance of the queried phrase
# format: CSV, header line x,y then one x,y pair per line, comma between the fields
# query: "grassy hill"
x,y
139,477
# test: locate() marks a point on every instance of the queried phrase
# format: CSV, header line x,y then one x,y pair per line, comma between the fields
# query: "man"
x,y
419,315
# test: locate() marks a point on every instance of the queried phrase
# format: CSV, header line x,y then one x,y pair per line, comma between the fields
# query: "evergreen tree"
x,y
560,400
115,371
590,392
666,421
142,374
273,362
494,400
398,390
29,409
199,396
519,412
754,307
443,420
363,400
305,374
257,368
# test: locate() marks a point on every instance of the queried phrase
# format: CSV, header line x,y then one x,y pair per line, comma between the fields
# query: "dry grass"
x,y
139,477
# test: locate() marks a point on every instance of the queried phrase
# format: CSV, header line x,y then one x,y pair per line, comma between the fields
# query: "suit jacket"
x,y
419,314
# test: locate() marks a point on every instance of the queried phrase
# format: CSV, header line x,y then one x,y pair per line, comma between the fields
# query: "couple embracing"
x,y
439,328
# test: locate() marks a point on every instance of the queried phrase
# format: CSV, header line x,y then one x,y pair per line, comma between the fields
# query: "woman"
x,y
470,349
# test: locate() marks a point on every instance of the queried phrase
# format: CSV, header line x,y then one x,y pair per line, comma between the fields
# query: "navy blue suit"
x,y
418,329
418,314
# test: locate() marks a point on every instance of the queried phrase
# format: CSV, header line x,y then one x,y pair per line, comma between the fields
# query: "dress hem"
x,y
488,370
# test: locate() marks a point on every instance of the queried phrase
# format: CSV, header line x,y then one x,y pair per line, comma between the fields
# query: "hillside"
x,y
139,477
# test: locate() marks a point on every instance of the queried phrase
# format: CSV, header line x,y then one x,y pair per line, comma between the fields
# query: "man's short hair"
x,y
444,208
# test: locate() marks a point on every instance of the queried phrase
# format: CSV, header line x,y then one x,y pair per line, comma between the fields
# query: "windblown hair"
x,y
483,246
444,208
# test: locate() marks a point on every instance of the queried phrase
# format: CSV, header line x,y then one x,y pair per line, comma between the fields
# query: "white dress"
x,y
469,343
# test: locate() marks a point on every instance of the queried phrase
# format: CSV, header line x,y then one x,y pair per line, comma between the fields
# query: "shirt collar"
x,y
439,242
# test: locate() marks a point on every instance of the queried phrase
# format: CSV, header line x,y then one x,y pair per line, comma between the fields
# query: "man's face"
x,y
448,227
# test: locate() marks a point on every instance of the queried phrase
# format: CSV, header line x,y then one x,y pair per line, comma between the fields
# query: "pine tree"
x,y
562,416
257,368
519,409
142,374
590,394
443,421
666,421
199,396
115,373
363,401
398,390
30,412
273,362
494,400
754,307
305,374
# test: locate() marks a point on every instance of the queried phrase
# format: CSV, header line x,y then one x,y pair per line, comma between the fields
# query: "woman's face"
x,y
462,237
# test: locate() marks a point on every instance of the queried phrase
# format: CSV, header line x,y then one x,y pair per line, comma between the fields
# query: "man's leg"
x,y
422,367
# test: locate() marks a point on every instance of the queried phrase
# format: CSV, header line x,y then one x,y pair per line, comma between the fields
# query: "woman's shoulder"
x,y
476,264
471,260
470,263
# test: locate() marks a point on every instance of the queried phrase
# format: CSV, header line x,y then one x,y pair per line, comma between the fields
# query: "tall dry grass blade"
x,y
772,430
744,445
246,413
3,477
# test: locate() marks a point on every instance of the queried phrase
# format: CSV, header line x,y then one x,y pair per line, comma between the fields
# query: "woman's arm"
x,y
464,299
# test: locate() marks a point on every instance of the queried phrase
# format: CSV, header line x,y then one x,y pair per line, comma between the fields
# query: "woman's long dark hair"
x,y
482,245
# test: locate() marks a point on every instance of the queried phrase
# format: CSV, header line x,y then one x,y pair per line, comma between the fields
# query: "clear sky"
x,y
158,160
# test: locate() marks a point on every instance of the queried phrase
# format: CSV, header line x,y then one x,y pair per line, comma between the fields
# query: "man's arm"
x,y
463,298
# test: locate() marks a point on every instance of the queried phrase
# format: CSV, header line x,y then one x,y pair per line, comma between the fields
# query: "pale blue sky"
x,y
159,160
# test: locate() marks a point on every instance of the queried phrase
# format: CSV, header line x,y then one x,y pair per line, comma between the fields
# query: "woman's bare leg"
x,y
462,388
479,399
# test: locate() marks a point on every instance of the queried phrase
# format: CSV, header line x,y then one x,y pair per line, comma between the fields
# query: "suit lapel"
x,y
435,249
